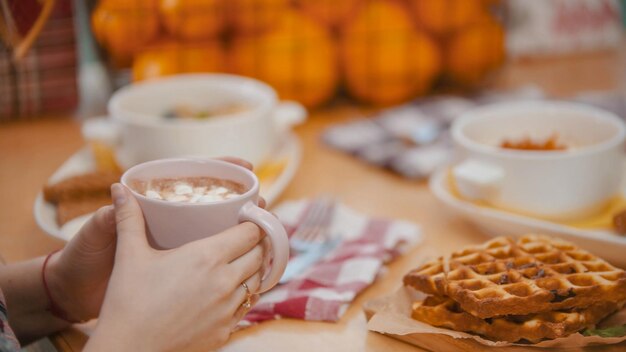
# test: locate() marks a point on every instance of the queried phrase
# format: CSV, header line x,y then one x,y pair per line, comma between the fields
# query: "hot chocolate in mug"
x,y
171,224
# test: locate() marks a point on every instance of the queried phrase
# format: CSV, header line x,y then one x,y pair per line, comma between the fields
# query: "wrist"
x,y
106,337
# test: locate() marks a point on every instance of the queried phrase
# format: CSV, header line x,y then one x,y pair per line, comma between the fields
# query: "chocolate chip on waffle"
x,y
534,274
445,312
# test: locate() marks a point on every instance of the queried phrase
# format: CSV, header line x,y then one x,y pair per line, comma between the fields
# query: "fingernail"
x,y
118,194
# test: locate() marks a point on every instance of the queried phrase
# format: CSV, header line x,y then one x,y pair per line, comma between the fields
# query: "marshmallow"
x,y
195,198
219,190
153,194
183,188
199,190
176,198
209,198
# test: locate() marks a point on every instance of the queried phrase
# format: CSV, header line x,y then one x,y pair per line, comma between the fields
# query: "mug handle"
x,y
288,114
278,239
477,180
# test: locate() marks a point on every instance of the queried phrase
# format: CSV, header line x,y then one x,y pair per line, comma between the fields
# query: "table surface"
x,y
30,151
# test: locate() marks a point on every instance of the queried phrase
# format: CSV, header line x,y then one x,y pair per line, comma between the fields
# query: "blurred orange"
x,y
445,16
330,12
123,27
385,59
474,51
253,16
169,57
193,19
297,58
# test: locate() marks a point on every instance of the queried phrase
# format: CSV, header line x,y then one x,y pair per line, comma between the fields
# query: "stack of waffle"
x,y
522,291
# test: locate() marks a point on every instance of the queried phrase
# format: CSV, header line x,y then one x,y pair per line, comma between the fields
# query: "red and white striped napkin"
x,y
324,291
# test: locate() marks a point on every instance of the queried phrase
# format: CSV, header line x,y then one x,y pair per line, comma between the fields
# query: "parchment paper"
x,y
391,315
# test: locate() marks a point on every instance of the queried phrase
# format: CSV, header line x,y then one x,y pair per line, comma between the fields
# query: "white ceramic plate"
x,y
82,162
494,222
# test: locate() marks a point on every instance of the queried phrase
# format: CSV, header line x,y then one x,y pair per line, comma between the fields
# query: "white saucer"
x,y
493,222
82,162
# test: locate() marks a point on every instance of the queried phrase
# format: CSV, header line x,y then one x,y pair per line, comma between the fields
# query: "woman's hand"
x,y
188,298
78,275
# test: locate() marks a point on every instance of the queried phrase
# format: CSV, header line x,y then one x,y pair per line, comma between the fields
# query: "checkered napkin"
x,y
324,291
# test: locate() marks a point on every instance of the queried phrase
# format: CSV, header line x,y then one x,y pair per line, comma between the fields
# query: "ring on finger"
x,y
247,304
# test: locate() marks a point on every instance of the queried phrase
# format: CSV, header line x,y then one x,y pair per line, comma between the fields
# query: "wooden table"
x,y
31,151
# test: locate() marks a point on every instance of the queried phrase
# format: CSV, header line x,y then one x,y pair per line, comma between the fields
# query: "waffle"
x,y
535,274
91,185
446,313
81,194
71,209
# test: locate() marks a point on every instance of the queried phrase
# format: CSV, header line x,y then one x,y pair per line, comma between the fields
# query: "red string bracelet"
x,y
52,306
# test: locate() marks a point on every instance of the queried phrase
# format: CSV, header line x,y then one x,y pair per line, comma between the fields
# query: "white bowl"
x,y
249,134
559,184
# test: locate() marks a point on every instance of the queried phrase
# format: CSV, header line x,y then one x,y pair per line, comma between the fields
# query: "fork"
x,y
313,229
312,240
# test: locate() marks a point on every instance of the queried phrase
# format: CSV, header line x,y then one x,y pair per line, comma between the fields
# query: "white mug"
x,y
557,184
250,134
172,224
